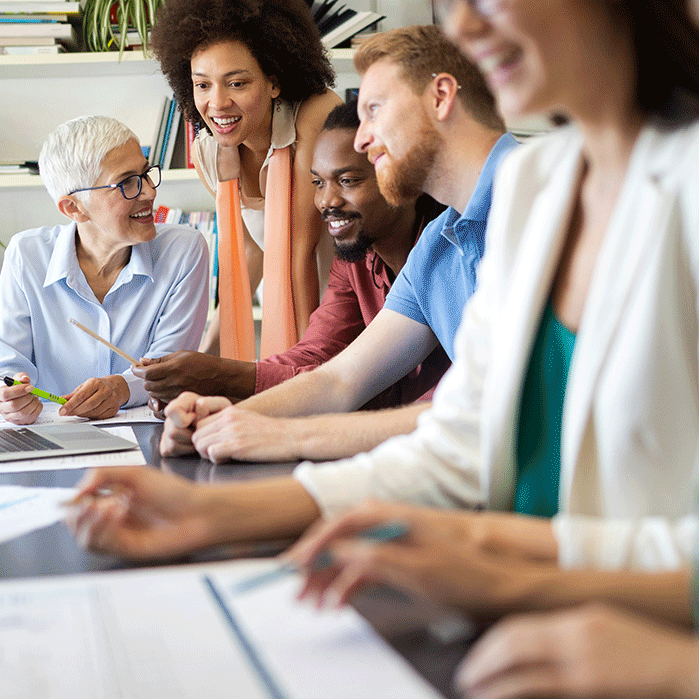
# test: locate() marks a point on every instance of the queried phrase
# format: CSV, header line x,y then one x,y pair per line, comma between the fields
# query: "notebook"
x,y
57,440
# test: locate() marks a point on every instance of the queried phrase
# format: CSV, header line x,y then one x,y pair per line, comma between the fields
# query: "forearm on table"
x,y
665,596
310,393
234,378
339,436
254,510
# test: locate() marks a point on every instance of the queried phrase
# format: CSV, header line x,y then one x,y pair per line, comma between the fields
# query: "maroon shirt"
x,y
355,294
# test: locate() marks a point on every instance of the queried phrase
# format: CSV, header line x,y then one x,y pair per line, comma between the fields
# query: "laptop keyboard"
x,y
24,440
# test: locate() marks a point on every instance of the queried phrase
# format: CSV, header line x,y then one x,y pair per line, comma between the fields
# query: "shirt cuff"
x,y
336,486
137,394
268,374
649,543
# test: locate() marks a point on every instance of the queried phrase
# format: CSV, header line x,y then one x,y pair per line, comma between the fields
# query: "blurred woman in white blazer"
x,y
574,397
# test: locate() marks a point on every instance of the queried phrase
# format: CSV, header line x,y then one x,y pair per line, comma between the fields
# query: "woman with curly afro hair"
x,y
255,77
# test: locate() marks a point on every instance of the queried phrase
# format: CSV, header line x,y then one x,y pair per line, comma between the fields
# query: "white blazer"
x,y
631,412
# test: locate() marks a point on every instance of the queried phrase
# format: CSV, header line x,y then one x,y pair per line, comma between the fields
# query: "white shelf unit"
x,y
41,91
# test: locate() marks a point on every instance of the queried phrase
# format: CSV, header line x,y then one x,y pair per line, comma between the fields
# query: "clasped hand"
x,y
219,431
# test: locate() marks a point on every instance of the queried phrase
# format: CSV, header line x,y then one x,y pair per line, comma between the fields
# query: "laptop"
x,y
58,440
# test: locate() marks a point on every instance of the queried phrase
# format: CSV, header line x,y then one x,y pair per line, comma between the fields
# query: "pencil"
x,y
112,347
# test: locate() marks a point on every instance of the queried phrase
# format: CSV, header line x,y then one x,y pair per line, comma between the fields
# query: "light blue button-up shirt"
x,y
439,275
157,305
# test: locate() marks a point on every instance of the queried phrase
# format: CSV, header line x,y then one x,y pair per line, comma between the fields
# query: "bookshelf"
x,y
42,91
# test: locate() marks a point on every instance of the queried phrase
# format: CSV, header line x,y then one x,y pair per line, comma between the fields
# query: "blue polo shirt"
x,y
439,275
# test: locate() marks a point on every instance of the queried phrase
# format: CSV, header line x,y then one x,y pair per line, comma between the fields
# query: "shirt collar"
x,y
64,260
63,263
478,205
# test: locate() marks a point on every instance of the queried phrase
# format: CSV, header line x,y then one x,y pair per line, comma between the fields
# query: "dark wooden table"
x,y
53,551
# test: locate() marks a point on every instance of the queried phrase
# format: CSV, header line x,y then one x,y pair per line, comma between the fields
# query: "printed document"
x,y
183,633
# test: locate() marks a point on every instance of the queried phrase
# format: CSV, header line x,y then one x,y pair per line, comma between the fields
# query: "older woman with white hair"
x,y
139,285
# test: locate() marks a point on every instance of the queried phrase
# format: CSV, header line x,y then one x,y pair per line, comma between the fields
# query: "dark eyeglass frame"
x,y
145,176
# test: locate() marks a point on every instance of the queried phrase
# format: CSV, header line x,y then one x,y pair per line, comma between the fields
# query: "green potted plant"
x,y
101,17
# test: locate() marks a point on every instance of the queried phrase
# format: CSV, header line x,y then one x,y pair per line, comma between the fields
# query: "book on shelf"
x,y
23,41
64,32
31,50
27,167
62,7
170,139
169,148
133,38
157,144
191,131
12,18
337,24
358,22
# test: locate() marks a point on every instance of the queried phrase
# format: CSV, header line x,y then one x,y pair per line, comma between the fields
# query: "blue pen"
x,y
384,532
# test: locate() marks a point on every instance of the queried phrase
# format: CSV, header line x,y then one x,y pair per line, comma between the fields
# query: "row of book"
x,y
171,146
38,26
205,223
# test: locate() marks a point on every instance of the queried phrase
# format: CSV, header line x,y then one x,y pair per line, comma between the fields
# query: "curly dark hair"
x,y
280,34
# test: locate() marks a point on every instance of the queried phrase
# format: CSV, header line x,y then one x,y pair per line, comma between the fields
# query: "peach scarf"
x,y
235,303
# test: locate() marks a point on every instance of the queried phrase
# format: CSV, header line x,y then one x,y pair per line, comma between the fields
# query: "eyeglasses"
x,y
485,8
132,185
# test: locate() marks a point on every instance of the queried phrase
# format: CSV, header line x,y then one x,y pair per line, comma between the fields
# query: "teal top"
x,y
538,455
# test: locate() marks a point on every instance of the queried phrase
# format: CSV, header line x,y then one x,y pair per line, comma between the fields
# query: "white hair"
x,y
73,154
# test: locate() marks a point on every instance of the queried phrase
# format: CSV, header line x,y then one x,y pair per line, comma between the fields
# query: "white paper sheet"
x,y
49,416
110,458
23,510
309,654
163,634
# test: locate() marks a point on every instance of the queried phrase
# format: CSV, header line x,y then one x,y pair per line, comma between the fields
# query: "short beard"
x,y
405,181
356,250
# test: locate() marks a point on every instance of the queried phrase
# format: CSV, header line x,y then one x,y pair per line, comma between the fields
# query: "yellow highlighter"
x,y
36,391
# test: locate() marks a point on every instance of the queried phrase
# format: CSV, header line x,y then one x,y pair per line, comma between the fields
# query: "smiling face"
x,y
232,94
396,133
105,216
347,195
538,55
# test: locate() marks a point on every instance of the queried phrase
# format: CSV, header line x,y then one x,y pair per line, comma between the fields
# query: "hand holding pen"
x,y
19,401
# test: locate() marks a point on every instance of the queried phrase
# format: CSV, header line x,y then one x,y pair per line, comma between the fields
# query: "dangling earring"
x,y
278,104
